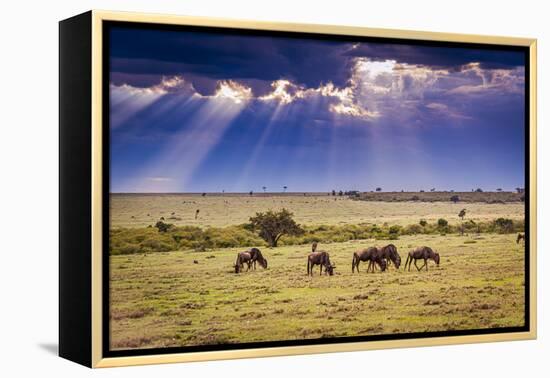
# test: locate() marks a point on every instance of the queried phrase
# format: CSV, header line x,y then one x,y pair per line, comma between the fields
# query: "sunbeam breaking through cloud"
x,y
310,115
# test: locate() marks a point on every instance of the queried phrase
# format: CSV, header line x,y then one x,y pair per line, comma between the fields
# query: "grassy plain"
x,y
184,298
165,299
141,210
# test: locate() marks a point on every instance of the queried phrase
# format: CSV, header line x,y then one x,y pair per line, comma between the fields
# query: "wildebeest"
x,y
319,258
520,238
250,257
390,254
257,256
422,253
371,255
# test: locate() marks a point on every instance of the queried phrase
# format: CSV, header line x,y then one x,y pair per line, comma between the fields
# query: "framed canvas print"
x,y
235,189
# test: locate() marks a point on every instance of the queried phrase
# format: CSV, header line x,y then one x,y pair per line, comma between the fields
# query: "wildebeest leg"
x,y
357,265
426,263
321,269
417,268
308,267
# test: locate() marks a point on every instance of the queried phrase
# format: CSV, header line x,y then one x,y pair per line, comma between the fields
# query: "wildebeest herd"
x,y
375,256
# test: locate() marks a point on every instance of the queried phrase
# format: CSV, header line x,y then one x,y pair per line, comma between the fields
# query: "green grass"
x,y
165,299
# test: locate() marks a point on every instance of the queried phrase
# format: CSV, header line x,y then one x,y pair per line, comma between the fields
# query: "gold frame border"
x,y
99,16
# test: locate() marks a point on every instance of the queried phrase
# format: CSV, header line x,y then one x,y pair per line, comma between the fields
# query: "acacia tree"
x,y
271,226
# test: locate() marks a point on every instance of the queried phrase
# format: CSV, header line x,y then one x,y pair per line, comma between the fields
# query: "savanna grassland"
x,y
192,296
141,210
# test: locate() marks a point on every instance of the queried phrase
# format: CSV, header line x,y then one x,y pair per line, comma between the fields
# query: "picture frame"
x,y
85,189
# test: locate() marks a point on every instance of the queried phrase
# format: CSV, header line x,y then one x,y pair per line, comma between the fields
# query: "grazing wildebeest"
x,y
390,254
250,257
422,253
320,258
520,238
256,255
314,247
242,258
371,255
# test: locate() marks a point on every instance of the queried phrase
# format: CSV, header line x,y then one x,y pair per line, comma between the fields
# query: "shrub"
x,y
395,230
504,225
413,229
423,222
163,227
442,223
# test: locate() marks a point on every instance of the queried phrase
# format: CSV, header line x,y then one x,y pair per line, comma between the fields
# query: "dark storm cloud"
x,y
138,56
443,57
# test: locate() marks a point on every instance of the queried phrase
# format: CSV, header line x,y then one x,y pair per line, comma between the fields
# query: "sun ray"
x,y
189,147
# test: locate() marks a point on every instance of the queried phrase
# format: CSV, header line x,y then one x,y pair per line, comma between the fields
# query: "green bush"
x,y
412,229
151,239
504,225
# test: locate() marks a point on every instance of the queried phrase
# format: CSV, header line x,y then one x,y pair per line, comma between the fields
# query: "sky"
x,y
199,111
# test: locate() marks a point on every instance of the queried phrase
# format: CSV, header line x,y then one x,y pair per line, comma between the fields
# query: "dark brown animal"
x,y
314,247
390,254
257,256
249,258
243,258
371,255
520,238
319,258
422,253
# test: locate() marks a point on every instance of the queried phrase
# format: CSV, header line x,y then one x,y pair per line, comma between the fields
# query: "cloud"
x,y
375,89
451,58
233,91
443,109
230,55
159,179
284,92
479,80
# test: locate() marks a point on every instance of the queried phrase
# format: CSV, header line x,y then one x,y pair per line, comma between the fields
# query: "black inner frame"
x,y
286,343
